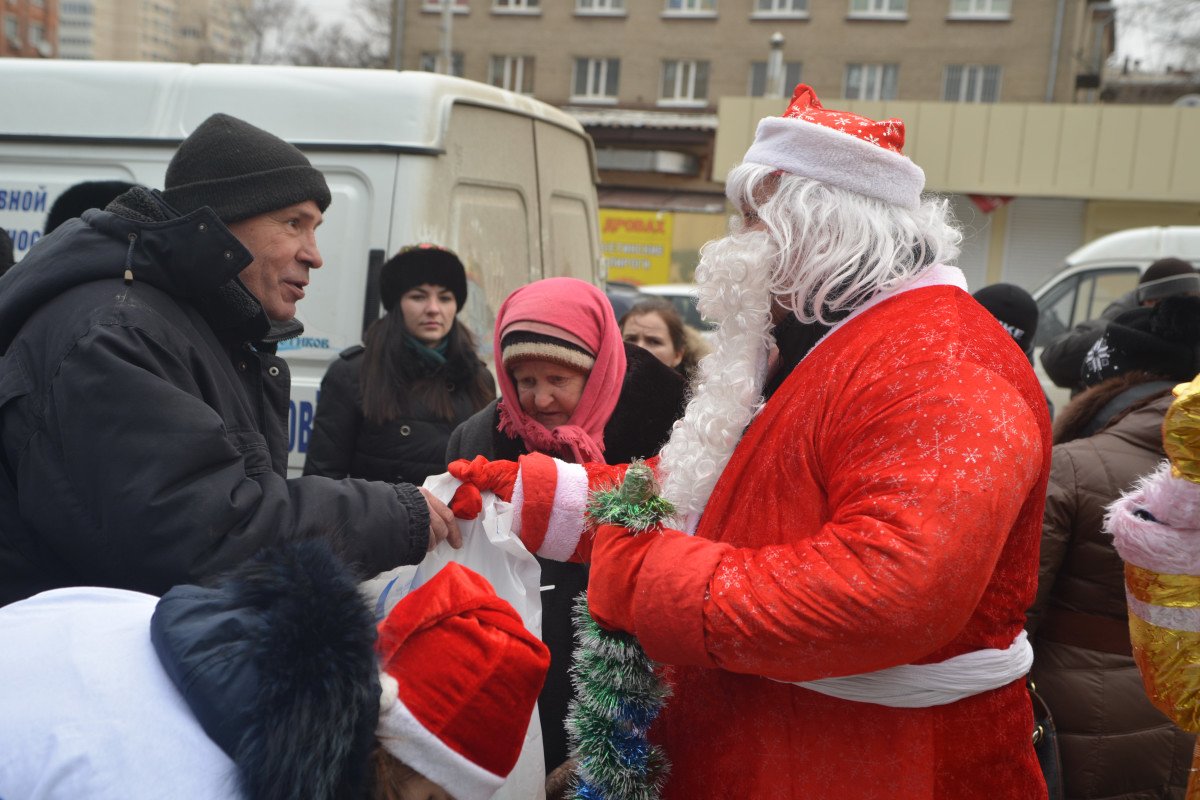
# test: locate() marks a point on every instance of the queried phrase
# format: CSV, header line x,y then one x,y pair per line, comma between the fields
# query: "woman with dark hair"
x,y
387,408
656,326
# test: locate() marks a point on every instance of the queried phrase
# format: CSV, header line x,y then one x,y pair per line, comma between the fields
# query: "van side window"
x,y
1055,309
1102,287
1081,297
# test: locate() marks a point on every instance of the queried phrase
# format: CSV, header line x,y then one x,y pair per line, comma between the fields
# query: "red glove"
x,y
480,475
617,557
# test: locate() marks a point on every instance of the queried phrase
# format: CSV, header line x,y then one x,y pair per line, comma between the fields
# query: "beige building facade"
x,y
646,78
150,30
685,54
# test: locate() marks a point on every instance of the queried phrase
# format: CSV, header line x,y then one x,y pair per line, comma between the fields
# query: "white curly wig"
x,y
813,249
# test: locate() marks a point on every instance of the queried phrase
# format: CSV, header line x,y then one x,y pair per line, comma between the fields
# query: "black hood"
x,y
192,256
277,663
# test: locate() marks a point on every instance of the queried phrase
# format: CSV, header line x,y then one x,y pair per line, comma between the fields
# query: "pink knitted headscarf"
x,y
582,314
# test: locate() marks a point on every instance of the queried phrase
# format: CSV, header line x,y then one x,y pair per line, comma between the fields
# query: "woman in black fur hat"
x,y
387,408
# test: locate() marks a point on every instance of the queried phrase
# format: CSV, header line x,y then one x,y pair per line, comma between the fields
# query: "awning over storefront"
x,y
652,200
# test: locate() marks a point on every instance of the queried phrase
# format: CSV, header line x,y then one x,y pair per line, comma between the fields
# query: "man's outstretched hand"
x,y
442,525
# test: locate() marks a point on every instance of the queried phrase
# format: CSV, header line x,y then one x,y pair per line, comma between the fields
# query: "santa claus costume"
x,y
845,619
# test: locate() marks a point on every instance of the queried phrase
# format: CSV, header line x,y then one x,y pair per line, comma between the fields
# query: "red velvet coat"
x,y
883,509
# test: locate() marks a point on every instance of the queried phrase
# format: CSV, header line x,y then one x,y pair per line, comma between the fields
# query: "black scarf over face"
x,y
794,339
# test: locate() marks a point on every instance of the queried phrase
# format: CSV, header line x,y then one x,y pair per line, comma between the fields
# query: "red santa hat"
x,y
839,148
460,675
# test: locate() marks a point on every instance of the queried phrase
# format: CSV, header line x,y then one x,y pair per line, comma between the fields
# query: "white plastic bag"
x,y
495,552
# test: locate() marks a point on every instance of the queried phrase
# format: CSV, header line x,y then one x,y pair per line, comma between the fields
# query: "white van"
x,y
1097,274
506,181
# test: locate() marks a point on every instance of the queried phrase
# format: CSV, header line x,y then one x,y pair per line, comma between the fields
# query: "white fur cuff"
x,y
567,520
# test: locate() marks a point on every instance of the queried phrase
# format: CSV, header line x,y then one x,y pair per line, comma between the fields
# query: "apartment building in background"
x,y
30,28
644,76
149,30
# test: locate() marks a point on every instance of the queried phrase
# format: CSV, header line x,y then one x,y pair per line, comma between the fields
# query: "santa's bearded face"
x,y
733,279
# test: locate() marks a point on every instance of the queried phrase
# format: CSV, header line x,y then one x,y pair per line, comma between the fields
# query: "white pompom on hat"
x,y
839,148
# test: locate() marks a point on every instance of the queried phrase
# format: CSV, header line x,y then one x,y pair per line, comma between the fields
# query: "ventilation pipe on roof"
x,y
1055,48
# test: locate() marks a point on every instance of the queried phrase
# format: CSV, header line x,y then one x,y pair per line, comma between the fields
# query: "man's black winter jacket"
x,y
143,417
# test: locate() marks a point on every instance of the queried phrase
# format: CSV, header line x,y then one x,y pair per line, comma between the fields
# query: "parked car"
x,y
683,297
622,296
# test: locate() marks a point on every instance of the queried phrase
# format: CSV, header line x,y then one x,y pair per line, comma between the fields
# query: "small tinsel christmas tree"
x,y
617,692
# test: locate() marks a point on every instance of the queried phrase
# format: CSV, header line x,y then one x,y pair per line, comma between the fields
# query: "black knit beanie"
x,y
418,264
1162,339
240,171
1014,308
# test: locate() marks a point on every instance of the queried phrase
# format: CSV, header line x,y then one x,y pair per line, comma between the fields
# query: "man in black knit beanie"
x,y
143,413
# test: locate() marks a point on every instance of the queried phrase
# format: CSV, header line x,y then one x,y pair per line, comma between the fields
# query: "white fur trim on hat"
x,y
815,151
408,740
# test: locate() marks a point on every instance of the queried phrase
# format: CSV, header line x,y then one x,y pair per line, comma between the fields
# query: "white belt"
x,y
925,685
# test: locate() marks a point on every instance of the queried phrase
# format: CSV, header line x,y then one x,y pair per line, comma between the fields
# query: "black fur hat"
x,y
418,264
277,662
80,197
240,171
1162,340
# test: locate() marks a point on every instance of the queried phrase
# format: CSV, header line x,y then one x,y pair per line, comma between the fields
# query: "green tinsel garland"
x,y
617,691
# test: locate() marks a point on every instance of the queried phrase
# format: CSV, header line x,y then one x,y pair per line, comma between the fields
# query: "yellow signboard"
x,y
636,245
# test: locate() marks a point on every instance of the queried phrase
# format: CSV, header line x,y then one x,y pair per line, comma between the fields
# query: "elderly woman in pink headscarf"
x,y
569,388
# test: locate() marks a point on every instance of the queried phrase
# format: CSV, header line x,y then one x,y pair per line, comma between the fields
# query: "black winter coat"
x,y
143,421
346,444
652,398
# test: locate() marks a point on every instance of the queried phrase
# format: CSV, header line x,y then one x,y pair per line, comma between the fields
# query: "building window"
x,y
706,8
12,31
460,6
600,7
37,33
596,80
684,83
981,8
429,63
972,83
871,81
878,8
758,78
514,73
517,6
780,8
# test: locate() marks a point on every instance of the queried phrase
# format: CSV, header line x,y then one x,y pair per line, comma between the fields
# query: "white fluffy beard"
x,y
734,278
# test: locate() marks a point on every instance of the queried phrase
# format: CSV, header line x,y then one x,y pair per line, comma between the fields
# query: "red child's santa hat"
x,y
839,148
460,675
